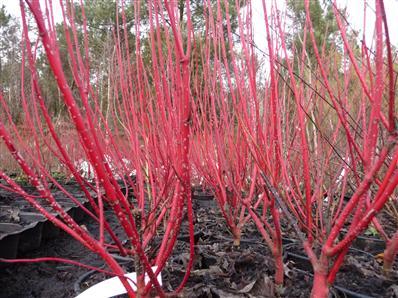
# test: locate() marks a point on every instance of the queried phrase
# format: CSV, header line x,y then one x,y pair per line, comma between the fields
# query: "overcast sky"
x,y
355,10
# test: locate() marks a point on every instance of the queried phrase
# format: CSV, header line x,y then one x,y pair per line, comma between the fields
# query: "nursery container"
x,y
204,199
303,266
31,237
9,240
50,230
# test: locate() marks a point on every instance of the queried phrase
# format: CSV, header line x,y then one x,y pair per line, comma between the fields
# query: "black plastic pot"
x,y
28,209
203,195
370,245
50,230
204,200
79,214
9,240
348,293
185,237
69,208
31,237
79,282
300,262
31,217
23,204
303,266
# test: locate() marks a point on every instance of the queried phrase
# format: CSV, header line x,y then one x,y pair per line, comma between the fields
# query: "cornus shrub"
x,y
311,146
226,90
336,137
140,127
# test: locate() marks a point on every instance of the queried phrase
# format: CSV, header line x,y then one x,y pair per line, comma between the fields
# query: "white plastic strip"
x,y
113,286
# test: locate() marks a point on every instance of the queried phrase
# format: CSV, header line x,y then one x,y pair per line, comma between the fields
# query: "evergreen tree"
x,y
323,23
10,62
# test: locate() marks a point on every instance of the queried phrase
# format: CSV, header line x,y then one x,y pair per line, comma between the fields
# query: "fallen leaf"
x,y
264,287
247,288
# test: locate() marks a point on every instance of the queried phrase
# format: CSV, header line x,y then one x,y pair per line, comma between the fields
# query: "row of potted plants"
x,y
311,148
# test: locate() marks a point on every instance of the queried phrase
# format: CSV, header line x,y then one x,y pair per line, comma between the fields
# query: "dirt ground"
x,y
220,270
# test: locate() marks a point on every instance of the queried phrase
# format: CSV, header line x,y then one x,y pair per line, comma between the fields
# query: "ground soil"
x,y
220,269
